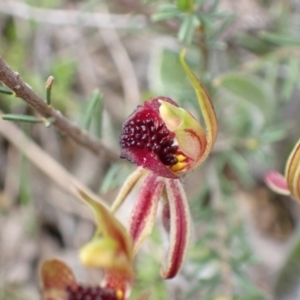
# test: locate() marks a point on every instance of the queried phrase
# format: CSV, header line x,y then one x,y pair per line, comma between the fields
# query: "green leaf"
x,y
240,167
288,280
115,177
167,77
165,12
94,101
274,134
22,118
187,29
6,91
222,27
278,39
249,89
253,43
185,5
164,15
98,118
290,79
214,6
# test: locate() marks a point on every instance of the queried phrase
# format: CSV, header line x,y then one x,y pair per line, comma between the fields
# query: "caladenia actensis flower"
x,y
166,142
110,249
289,184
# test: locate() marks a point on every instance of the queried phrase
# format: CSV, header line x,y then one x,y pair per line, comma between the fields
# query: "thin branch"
x,y
22,90
44,162
68,17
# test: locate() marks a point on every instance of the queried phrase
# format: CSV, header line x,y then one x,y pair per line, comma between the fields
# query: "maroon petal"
x,y
83,292
146,141
144,211
179,227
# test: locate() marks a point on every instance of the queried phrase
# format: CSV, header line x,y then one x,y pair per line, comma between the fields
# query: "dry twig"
x,y
22,90
68,17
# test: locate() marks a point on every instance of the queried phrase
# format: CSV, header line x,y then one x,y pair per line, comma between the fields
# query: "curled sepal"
x,y
292,172
277,183
179,227
144,212
56,277
206,107
111,247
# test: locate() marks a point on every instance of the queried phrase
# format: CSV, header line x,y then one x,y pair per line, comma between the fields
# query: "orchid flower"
x,y
110,249
289,184
166,142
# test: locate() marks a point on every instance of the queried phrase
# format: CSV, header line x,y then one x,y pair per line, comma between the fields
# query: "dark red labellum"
x,y
91,293
146,141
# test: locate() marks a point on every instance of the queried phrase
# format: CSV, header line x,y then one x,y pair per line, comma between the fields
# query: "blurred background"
x,y
109,56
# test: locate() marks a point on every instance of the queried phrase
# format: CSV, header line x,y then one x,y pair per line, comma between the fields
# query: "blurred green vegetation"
x,y
252,74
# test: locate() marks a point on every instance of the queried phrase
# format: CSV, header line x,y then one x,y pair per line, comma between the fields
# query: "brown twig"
x,y
22,90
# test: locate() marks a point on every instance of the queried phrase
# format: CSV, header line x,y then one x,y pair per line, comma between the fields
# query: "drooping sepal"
x,y
179,227
144,212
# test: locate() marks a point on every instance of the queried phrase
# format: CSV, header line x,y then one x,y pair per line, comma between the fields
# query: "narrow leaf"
x,y
93,102
22,118
187,29
280,39
6,91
